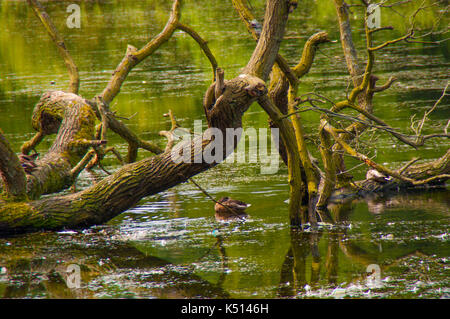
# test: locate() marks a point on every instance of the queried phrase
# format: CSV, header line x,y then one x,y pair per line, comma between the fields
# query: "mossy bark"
x,y
74,120
134,181
11,173
123,189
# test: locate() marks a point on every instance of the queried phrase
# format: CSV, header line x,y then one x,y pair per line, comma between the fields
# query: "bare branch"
x,y
385,44
134,56
414,141
378,167
202,43
31,144
170,134
418,129
405,167
385,86
134,142
308,54
394,4
82,164
59,42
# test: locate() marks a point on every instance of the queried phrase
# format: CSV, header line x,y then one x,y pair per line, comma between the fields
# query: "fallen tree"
x,y
80,144
128,185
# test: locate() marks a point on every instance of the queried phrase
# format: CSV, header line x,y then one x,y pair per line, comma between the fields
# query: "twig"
x,y
202,43
418,130
412,161
377,166
59,42
169,134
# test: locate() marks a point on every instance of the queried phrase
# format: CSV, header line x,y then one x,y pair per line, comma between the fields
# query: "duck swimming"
x,y
235,209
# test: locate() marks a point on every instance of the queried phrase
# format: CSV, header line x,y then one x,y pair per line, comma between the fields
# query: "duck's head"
x,y
223,199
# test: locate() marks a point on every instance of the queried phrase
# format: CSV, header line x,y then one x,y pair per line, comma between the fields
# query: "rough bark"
x,y
356,72
74,120
11,172
128,185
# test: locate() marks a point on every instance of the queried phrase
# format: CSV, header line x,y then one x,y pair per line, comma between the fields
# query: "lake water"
x,y
170,244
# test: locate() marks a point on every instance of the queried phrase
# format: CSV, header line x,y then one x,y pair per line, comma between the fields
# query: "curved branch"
x,y
129,184
59,42
134,56
385,86
309,51
202,43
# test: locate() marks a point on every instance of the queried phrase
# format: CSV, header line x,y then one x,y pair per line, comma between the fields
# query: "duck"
x,y
28,162
374,175
235,209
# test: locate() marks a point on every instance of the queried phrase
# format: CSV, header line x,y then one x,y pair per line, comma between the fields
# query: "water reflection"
x,y
311,271
411,253
108,269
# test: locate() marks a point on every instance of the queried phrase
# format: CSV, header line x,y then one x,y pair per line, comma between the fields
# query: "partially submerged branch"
x,y
297,188
128,185
383,169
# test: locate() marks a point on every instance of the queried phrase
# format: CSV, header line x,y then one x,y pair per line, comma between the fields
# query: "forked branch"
x,y
134,56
